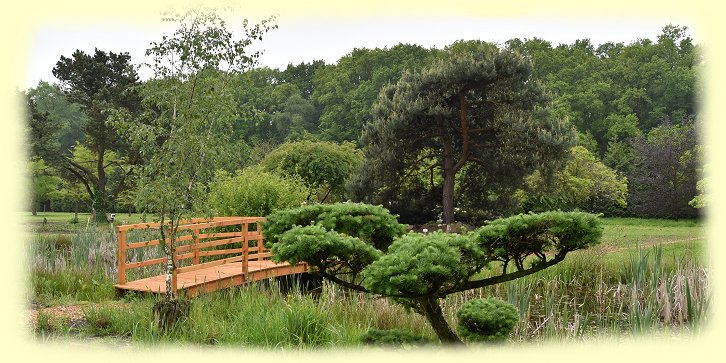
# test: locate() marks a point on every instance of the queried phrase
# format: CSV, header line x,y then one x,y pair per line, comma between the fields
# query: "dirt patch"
x,y
72,314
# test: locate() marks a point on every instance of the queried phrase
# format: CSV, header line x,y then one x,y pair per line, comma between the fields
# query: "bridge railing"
x,y
198,244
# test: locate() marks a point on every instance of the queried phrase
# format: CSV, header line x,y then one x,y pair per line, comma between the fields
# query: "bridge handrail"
x,y
199,241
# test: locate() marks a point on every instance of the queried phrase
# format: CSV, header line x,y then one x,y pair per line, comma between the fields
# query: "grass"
x,y
646,277
66,223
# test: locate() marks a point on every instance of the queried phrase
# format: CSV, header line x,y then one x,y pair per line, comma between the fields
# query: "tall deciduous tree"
x,y
664,178
346,90
99,82
185,132
475,105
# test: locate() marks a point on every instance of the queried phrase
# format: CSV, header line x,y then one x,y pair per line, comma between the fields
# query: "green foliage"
x,y
665,174
315,243
486,320
616,91
102,84
425,265
584,183
347,89
45,184
323,166
418,269
253,192
72,284
438,264
392,337
66,120
373,225
700,200
474,105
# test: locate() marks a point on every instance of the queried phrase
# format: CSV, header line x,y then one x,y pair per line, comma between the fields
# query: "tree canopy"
x,y
362,247
583,183
323,166
476,104
517,104
96,84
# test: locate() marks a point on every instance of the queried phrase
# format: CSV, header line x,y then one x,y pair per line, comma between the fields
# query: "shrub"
x,y
322,165
392,337
486,320
254,192
361,247
373,225
584,183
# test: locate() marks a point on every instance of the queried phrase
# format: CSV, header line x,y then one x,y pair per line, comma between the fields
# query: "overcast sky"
x,y
308,39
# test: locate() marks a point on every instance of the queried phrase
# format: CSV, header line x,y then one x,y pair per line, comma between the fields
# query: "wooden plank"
x,y
209,244
221,222
214,278
155,242
121,257
187,223
210,264
221,252
220,235
145,263
155,225
259,256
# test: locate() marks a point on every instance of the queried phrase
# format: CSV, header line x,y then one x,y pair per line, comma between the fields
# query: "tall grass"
x,y
259,316
592,293
584,297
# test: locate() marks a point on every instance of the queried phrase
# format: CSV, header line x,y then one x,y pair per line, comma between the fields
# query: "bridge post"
x,y
195,240
245,251
121,256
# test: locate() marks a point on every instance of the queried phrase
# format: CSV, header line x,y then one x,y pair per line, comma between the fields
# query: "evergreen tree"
x,y
477,104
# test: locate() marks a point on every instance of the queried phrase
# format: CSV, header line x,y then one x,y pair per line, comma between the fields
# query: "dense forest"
x,y
608,128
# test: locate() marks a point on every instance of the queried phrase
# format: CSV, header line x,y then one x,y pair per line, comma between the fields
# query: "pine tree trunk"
x,y
448,173
448,196
432,311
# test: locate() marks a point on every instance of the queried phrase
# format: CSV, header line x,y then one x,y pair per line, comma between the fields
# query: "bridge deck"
x,y
238,249
214,278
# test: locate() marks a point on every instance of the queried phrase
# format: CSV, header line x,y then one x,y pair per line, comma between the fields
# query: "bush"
x,y
373,225
486,320
585,183
323,166
254,192
392,337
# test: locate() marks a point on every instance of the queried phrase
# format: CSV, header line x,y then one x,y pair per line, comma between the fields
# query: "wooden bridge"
x,y
210,254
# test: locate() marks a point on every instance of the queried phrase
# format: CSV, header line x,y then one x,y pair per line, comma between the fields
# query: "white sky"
x,y
308,39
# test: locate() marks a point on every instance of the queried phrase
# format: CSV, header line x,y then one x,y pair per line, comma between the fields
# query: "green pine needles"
x,y
362,247
486,320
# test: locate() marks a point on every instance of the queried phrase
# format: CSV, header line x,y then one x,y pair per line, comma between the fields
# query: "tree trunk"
x,y
100,200
432,312
448,196
99,207
448,173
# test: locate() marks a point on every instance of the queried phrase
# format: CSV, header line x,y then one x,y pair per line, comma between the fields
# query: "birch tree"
x,y
184,132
